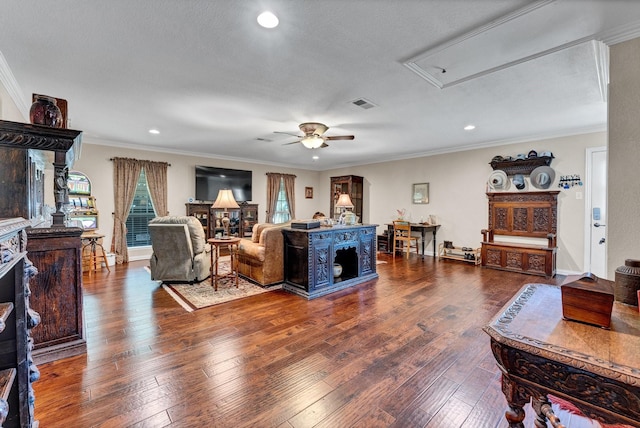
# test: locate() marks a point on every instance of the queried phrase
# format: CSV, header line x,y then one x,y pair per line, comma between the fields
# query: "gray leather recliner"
x,y
180,250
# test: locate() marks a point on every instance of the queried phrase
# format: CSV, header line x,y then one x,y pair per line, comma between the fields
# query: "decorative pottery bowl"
x,y
337,270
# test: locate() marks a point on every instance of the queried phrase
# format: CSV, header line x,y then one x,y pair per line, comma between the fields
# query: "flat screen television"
x,y
210,180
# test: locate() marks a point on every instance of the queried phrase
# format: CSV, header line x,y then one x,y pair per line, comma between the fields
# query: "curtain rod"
x,y
279,173
168,164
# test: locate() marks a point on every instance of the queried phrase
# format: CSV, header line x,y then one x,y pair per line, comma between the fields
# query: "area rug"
x,y
201,295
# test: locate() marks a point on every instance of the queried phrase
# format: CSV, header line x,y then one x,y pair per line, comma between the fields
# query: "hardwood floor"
x,y
406,350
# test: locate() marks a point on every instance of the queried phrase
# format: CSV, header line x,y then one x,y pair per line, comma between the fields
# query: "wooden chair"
x,y
402,239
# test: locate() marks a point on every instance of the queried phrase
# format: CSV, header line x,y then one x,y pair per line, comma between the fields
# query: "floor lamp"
x,y
226,201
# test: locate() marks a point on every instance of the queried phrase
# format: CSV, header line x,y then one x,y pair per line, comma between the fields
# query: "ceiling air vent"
x,y
363,103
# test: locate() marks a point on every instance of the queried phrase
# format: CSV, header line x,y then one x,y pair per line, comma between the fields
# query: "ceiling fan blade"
x,y
324,145
288,133
340,137
293,142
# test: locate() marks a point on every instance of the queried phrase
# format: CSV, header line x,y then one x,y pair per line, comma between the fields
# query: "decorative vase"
x,y
627,282
337,270
45,111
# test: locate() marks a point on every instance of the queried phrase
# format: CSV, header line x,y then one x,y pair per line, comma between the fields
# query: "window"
x,y
140,213
282,214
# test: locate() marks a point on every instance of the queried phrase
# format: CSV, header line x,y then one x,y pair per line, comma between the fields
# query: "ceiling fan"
x,y
313,137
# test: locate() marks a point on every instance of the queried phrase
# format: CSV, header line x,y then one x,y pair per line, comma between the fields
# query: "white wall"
x,y
457,187
623,231
8,108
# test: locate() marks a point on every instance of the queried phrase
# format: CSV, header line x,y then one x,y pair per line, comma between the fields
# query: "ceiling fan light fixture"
x,y
268,20
312,141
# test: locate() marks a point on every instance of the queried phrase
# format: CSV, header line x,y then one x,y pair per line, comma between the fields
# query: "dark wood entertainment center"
x,y
310,254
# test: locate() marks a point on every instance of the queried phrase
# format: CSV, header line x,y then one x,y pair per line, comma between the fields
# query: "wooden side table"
x,y
232,245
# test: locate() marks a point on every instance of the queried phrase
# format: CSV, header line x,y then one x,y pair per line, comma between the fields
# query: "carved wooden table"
x,y
540,353
232,244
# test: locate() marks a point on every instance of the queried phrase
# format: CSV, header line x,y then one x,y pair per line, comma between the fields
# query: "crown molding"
x,y
10,83
620,34
601,57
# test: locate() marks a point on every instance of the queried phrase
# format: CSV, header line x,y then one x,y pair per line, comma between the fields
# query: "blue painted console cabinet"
x,y
310,256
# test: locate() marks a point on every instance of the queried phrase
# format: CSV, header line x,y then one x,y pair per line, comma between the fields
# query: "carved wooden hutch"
x,y
54,249
523,215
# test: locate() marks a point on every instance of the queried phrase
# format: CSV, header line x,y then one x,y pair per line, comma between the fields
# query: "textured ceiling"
x,y
215,83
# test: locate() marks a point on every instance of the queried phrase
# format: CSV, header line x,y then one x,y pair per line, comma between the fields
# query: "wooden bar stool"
x,y
90,239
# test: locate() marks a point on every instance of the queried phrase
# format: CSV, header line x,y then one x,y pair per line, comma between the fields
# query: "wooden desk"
x,y
419,227
539,353
232,245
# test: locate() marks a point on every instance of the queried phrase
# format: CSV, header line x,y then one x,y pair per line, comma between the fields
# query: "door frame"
x,y
587,206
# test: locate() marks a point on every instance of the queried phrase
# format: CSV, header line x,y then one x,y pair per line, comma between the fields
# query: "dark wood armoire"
x,y
53,248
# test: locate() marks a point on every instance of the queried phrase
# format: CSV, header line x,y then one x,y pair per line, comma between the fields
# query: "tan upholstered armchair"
x,y
180,250
261,258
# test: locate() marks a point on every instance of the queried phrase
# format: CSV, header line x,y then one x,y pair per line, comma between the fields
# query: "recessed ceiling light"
x,y
268,20
154,131
469,127
316,157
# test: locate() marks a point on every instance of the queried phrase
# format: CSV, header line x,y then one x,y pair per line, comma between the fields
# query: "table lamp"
x,y
225,200
344,203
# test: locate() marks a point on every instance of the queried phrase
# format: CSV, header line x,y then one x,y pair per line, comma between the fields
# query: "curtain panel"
x,y
126,174
273,189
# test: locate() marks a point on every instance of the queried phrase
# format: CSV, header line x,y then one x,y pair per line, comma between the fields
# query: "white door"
x,y
596,217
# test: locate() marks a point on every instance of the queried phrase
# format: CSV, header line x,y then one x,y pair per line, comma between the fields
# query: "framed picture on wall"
x,y
308,192
420,193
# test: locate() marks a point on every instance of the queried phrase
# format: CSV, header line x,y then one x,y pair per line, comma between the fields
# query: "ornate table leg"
x,y
542,407
516,397
233,250
214,266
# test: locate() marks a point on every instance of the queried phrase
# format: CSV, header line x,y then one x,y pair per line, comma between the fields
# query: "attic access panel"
x,y
534,31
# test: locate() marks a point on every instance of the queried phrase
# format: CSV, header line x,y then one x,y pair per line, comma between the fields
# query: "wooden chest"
x,y
588,299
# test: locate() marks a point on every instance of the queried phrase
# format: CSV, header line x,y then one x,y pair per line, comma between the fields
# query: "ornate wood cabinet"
x,y
351,184
17,369
201,211
57,291
248,218
55,250
309,256
523,214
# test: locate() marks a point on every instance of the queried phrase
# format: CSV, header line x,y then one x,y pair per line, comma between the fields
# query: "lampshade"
x,y
344,201
225,200
312,141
